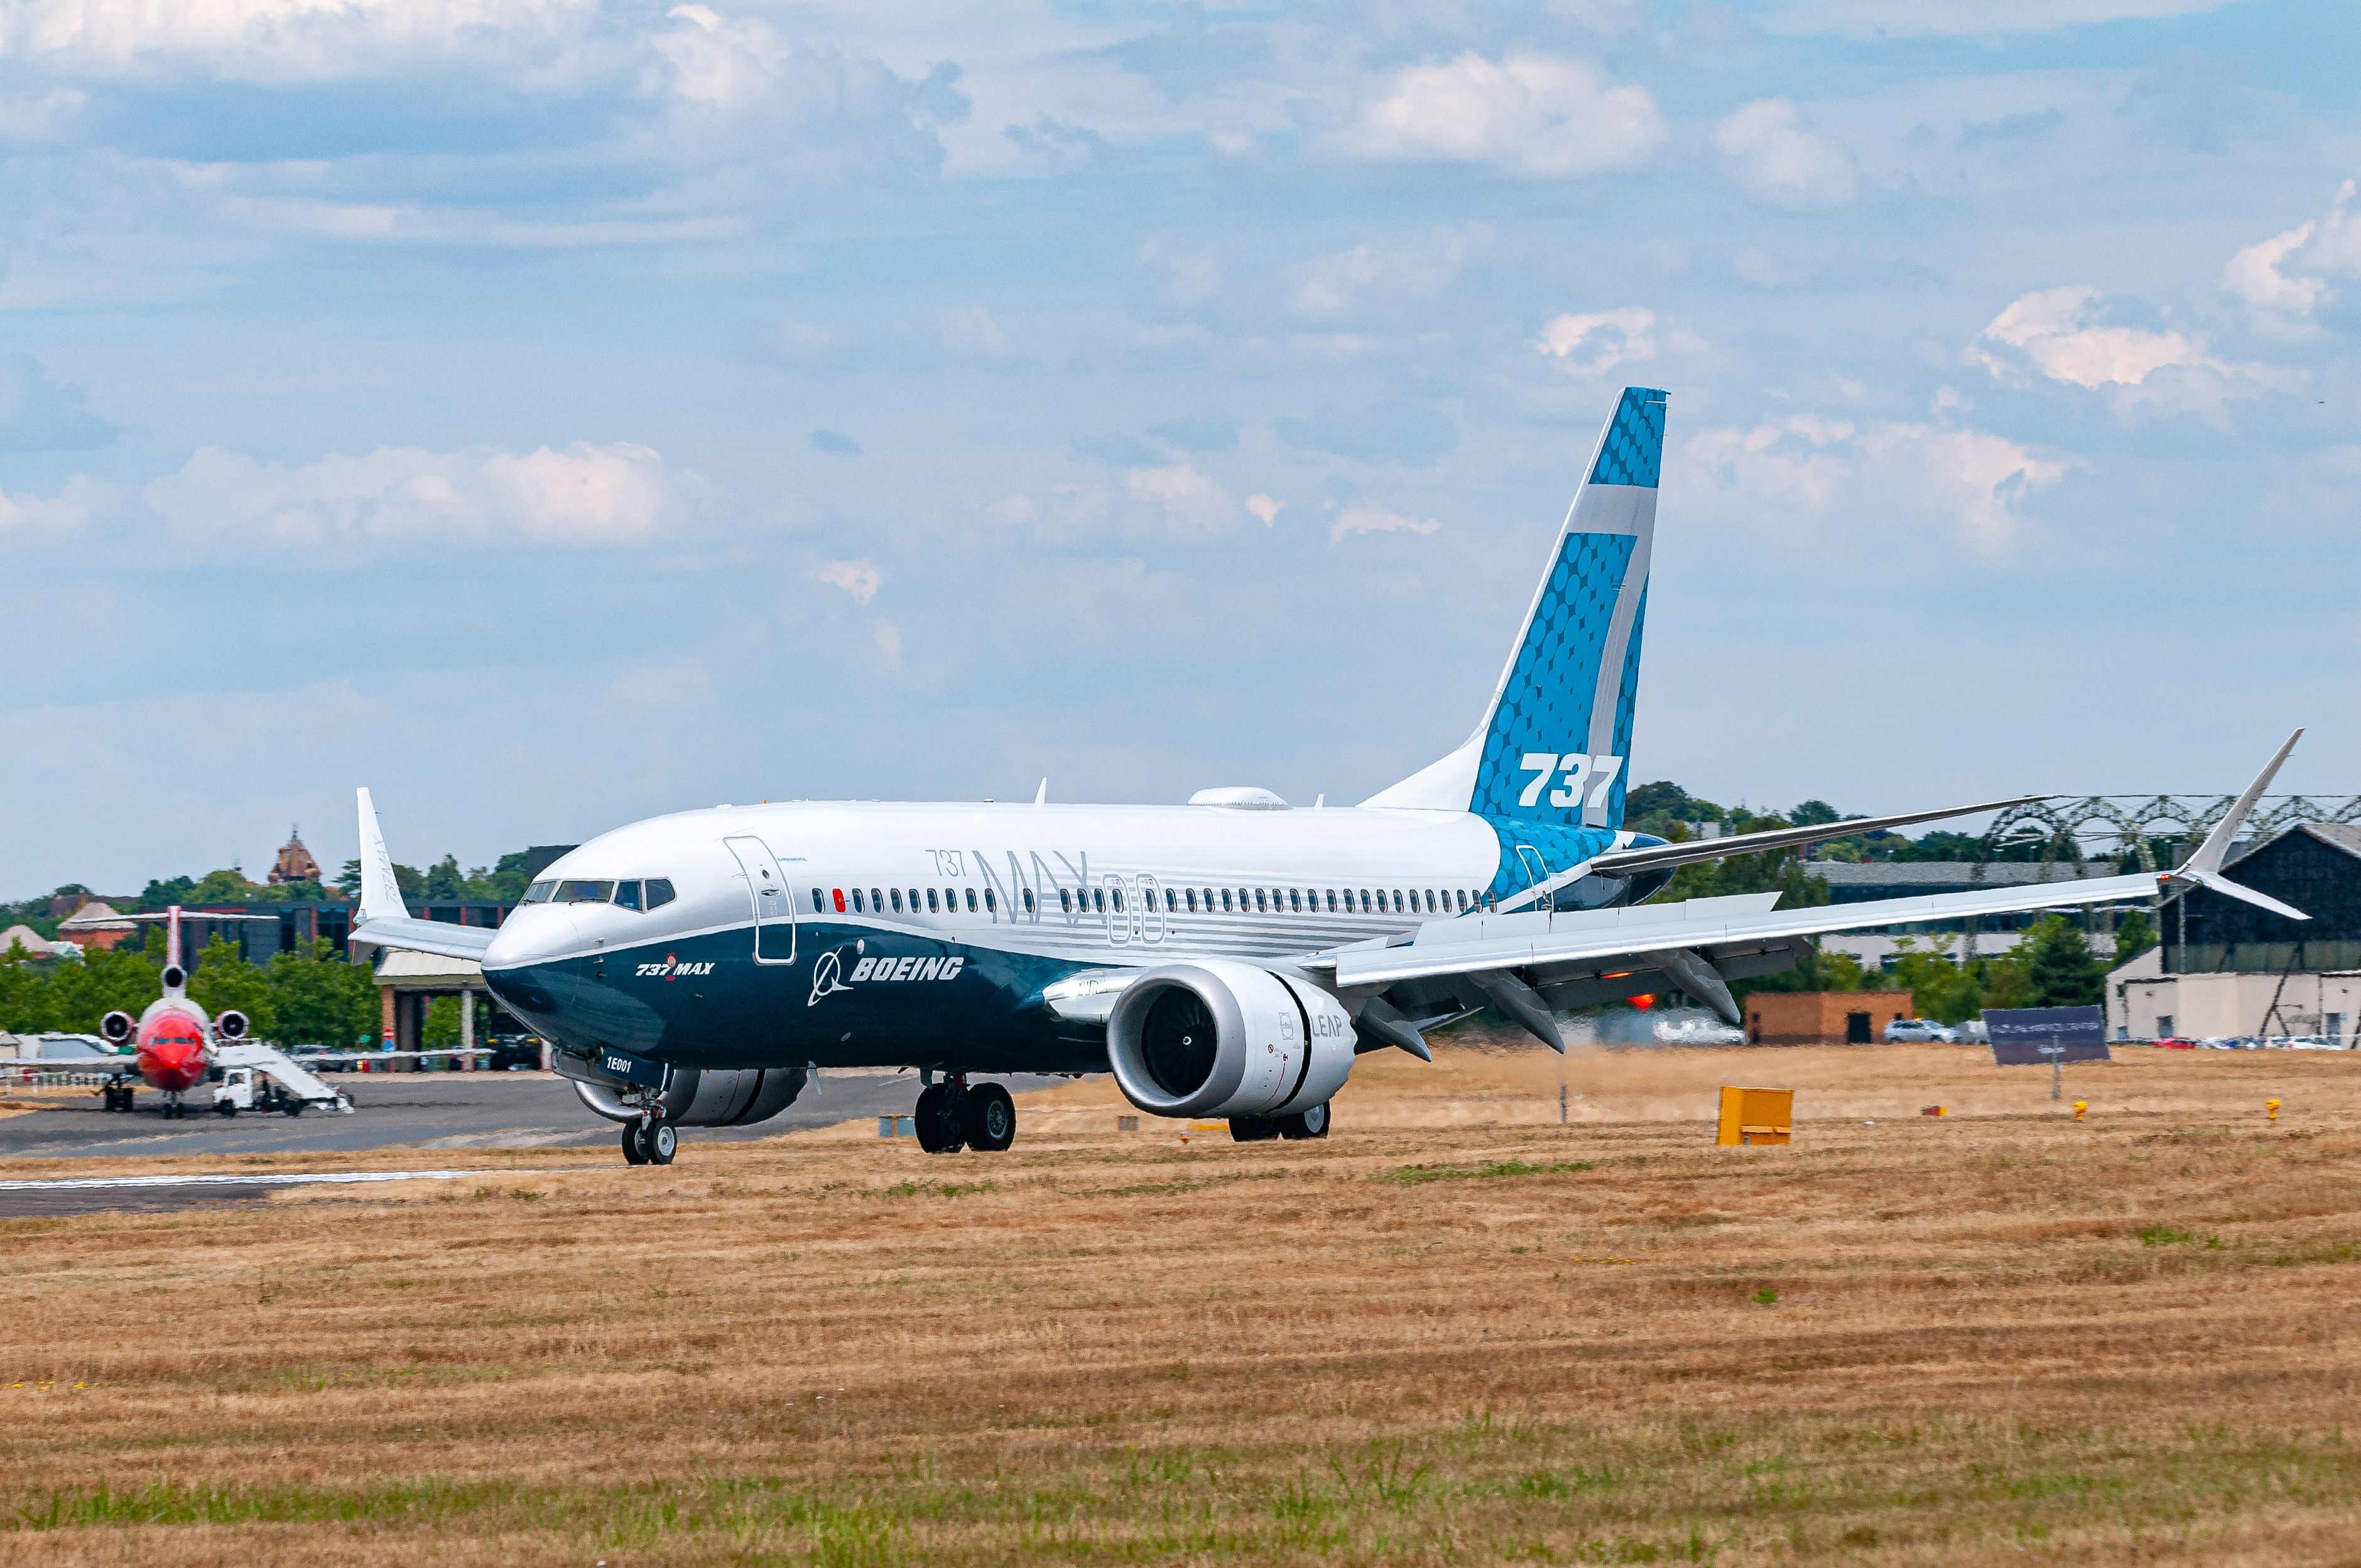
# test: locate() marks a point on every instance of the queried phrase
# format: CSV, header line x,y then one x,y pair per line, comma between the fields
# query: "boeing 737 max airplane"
x,y
1228,958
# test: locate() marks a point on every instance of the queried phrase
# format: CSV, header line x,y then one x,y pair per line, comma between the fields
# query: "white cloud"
x,y
1986,478
1367,519
1780,160
2052,330
279,39
1534,114
585,495
889,637
1972,480
1190,501
656,685
1333,285
67,510
2284,276
859,579
1969,18
973,329
1598,342
1266,508
720,61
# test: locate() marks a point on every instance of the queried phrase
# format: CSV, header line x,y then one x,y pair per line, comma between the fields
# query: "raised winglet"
x,y
380,893
2204,868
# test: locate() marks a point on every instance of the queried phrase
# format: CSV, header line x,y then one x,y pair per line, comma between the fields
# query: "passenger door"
x,y
1536,872
774,907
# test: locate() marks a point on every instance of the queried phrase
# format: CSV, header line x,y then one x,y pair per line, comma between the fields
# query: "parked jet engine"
x,y
707,1097
230,1024
1220,1038
118,1027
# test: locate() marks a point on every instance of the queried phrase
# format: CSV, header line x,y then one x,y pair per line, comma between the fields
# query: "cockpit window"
x,y
539,892
659,891
584,892
627,895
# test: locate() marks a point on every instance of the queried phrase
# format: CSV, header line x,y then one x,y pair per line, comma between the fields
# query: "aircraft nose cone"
x,y
530,936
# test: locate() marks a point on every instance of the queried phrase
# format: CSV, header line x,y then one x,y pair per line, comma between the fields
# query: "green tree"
x,y
164,892
223,979
82,992
319,998
2134,934
227,885
2008,982
407,878
2060,965
1940,989
441,1032
443,879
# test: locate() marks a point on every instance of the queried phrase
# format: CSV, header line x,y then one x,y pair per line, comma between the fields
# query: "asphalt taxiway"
x,y
454,1112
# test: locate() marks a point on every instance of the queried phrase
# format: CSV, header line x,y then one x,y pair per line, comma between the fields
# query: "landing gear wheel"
x,y
1312,1123
662,1142
1252,1129
988,1117
937,1124
634,1152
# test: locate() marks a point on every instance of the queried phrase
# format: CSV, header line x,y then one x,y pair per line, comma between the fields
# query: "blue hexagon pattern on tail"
x,y
1551,751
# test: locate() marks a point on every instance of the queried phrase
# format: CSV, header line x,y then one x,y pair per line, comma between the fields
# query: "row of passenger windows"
x,y
1099,900
947,903
640,893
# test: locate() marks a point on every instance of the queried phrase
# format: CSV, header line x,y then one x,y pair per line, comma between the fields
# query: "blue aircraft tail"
x,y
1552,744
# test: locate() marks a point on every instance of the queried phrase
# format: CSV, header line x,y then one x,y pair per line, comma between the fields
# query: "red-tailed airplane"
x,y
173,1038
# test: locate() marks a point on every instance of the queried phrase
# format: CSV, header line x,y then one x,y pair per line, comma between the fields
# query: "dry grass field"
x,y
1454,1331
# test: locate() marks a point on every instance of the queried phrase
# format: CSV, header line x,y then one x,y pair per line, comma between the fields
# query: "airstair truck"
x,y
257,1078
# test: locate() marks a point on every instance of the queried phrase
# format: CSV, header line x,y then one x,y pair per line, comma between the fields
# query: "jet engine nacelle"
x,y
707,1097
230,1024
1219,1039
118,1027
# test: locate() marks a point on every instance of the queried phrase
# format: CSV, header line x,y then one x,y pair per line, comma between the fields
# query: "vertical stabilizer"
x,y
1554,741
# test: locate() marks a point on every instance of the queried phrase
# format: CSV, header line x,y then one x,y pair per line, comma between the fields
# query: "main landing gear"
x,y
954,1114
1312,1123
118,1094
651,1140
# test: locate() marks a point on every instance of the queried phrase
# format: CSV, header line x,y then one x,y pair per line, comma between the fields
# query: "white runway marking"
x,y
321,1178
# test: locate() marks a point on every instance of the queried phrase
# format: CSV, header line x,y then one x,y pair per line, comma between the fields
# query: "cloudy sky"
x,y
554,411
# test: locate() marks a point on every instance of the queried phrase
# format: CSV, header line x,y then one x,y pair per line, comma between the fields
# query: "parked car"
x,y
1920,1029
2174,1043
514,1053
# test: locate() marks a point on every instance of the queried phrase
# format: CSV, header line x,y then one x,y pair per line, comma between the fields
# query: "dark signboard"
x,y
2033,1037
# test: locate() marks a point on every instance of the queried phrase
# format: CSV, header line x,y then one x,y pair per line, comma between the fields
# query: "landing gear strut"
x,y
118,1095
954,1114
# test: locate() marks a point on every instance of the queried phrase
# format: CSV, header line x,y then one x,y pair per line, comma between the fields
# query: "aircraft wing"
x,y
439,937
385,918
1531,964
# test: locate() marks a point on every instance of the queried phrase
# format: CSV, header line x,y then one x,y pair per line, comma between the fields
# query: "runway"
x,y
454,1112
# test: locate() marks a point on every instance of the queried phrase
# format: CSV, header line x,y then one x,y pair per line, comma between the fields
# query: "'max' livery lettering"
x,y
1228,958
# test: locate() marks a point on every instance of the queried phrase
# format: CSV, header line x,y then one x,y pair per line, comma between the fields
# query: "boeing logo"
x,y
829,977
